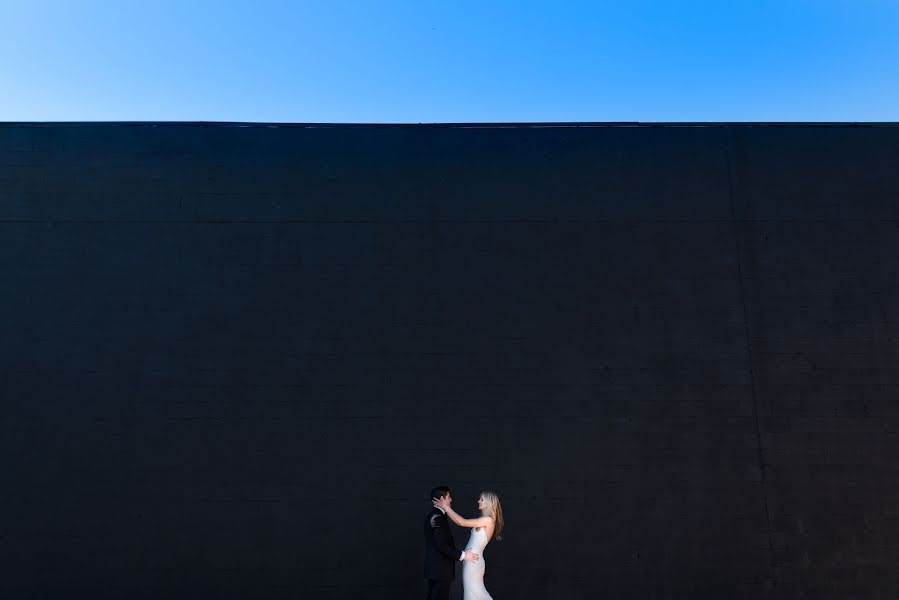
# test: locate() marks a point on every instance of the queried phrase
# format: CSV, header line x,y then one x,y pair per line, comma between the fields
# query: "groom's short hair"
x,y
440,491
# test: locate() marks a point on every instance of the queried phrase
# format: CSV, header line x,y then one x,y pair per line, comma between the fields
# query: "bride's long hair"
x,y
495,510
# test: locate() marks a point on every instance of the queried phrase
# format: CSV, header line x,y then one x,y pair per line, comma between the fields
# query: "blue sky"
x,y
383,61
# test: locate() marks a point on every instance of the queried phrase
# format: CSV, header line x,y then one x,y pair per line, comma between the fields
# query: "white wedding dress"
x,y
473,573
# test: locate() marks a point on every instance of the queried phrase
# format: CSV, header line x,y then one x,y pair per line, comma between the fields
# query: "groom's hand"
x,y
471,556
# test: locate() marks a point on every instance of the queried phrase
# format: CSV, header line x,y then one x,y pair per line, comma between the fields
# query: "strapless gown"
x,y
473,573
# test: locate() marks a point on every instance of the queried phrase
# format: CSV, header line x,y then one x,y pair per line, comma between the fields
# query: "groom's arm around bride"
x,y
443,537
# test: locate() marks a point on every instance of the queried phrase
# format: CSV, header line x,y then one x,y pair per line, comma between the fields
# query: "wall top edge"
x,y
535,125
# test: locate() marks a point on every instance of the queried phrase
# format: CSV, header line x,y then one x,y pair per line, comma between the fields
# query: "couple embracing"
x,y
441,554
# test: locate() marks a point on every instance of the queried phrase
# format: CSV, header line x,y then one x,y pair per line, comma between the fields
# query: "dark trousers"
x,y
438,590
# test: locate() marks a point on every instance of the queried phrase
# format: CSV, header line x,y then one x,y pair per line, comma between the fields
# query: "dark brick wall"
x,y
236,358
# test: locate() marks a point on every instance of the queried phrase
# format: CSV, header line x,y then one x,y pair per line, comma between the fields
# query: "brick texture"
x,y
236,358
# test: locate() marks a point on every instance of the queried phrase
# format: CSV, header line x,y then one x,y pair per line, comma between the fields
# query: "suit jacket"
x,y
441,554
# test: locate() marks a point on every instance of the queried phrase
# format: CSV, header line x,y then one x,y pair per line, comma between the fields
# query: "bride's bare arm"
x,y
462,521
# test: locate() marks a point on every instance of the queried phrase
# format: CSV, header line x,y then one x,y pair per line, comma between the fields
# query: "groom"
x,y
441,554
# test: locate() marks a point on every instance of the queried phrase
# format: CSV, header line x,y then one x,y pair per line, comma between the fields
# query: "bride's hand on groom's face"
x,y
442,503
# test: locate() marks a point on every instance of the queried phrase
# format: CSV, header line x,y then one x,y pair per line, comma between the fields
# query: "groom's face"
x,y
448,498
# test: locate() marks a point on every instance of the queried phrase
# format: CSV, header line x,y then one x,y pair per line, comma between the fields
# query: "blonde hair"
x,y
495,510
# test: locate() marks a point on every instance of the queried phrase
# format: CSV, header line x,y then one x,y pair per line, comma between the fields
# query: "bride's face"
x,y
481,504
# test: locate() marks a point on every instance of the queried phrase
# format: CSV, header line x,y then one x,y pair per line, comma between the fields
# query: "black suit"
x,y
441,555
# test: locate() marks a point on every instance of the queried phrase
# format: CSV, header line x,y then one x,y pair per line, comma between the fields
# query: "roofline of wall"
x,y
551,125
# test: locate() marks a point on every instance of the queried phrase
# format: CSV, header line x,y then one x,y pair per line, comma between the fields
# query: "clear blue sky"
x,y
384,61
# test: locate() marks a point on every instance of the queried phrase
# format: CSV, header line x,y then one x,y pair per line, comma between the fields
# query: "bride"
x,y
483,529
